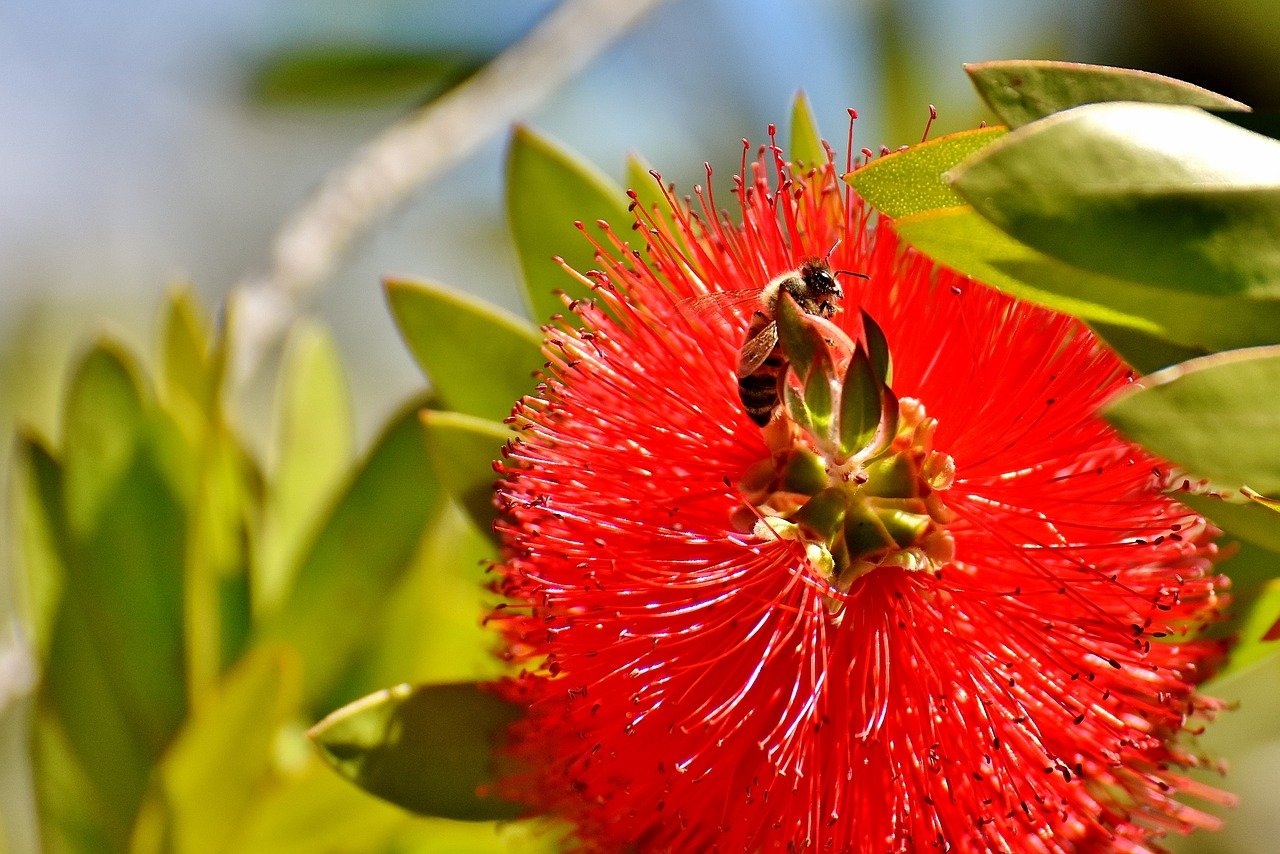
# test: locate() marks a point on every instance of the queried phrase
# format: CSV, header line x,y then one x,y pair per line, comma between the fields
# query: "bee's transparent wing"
x,y
697,307
756,349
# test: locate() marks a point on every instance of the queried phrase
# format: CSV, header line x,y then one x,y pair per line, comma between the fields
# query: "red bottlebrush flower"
x,y
956,614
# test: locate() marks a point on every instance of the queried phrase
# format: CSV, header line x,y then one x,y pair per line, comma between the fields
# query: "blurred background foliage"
x,y
148,145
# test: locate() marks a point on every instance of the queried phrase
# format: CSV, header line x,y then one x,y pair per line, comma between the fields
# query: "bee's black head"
x,y
822,292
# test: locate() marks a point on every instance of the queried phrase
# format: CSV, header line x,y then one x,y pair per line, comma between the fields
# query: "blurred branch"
x,y
388,169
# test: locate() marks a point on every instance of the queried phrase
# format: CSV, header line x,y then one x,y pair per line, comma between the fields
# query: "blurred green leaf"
x,y
462,449
909,181
1020,91
1248,521
315,810
1217,416
221,530
1255,606
1146,353
314,445
1160,195
961,239
211,776
429,749
72,816
191,375
37,495
444,591
124,593
1257,641
103,421
548,189
359,75
362,549
480,360
805,148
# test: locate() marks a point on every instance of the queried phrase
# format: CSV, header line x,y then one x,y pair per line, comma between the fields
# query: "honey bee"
x,y
762,366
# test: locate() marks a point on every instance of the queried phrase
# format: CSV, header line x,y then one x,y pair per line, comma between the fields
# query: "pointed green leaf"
x,y
190,375
548,189
314,445
125,592
1248,521
1146,353
1020,91
429,749
46,543
860,405
359,75
910,181
818,398
364,545
480,360
877,349
800,341
102,427
1215,416
796,408
211,777
462,449
805,148
961,239
1165,196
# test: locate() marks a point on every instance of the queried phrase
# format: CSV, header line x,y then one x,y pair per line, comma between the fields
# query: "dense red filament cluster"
x,y
688,687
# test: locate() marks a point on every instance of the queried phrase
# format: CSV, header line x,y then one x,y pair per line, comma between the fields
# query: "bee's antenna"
x,y
853,273
832,250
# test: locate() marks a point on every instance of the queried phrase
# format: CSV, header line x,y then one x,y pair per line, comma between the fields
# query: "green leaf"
x,y
102,425
480,360
861,405
877,349
462,449
429,749
1145,352
44,537
221,530
1258,641
314,445
910,181
800,341
190,373
805,148
315,810
548,189
124,592
1215,416
72,815
1160,195
446,591
1248,521
818,398
359,75
1255,606
1020,91
961,239
364,546
210,778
